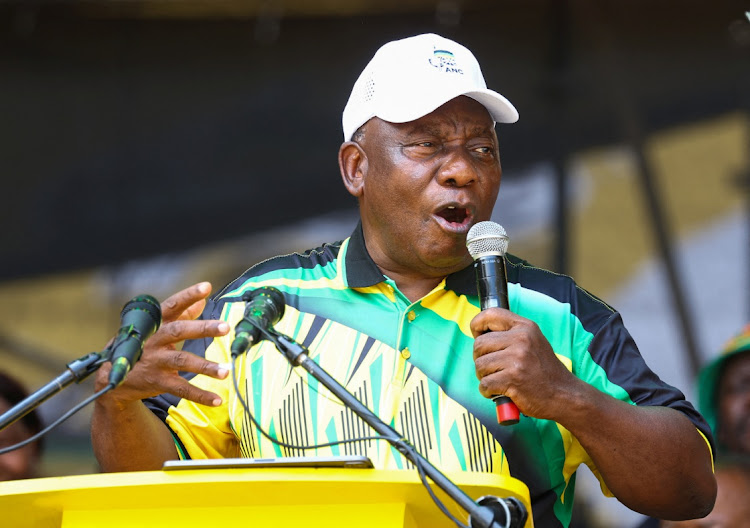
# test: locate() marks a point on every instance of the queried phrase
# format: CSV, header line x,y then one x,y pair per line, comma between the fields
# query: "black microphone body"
x,y
140,317
487,243
265,308
492,284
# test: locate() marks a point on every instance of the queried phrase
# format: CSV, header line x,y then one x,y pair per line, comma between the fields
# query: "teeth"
x,y
451,207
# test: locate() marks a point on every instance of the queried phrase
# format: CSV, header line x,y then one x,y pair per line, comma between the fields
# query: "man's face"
x,y
734,404
425,184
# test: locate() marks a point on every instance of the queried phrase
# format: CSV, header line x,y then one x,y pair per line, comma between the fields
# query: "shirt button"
x,y
405,353
411,315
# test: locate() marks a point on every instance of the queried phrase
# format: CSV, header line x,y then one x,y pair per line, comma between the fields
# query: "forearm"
x,y
130,438
652,458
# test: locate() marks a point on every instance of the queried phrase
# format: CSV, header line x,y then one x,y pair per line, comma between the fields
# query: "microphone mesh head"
x,y
486,238
146,303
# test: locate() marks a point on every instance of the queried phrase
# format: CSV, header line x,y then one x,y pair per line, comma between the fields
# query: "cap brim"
x,y
403,111
501,110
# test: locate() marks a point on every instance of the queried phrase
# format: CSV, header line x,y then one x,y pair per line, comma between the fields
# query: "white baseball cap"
x,y
409,78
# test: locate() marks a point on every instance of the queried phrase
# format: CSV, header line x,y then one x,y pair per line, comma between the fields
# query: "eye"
x,y
423,149
739,386
485,151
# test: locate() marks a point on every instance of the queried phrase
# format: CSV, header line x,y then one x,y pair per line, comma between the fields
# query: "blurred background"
x,y
150,144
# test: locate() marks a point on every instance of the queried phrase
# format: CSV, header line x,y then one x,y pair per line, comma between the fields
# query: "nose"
x,y
458,169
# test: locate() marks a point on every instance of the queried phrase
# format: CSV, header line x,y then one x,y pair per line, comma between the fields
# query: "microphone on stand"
x,y
487,243
265,307
140,317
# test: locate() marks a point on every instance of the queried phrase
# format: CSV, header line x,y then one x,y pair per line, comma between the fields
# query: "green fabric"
x,y
710,376
353,319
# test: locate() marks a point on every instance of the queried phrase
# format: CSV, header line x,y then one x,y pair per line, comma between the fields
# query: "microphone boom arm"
x,y
141,317
76,370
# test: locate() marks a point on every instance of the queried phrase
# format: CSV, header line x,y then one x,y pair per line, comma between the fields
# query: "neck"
x,y
413,287
414,275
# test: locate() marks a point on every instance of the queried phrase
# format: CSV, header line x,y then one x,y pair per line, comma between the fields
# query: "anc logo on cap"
x,y
444,60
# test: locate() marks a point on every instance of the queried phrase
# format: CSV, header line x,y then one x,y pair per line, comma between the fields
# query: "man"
x,y
724,400
392,312
724,395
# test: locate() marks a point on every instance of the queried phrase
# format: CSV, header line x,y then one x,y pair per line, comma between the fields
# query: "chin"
x,y
449,265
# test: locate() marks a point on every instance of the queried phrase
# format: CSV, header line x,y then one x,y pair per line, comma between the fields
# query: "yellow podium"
x,y
263,497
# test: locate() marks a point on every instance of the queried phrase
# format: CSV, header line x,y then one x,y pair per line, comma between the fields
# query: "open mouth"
x,y
455,217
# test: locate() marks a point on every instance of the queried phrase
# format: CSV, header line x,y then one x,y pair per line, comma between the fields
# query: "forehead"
x,y
738,362
460,115
736,367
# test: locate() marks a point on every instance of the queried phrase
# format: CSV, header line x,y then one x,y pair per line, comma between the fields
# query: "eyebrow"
x,y
437,130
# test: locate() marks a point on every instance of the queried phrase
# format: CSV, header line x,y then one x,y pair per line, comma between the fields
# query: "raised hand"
x,y
158,370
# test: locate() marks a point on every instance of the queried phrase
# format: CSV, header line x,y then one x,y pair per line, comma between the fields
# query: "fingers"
x,y
174,361
493,385
181,330
493,320
185,390
498,336
183,361
514,358
497,329
158,372
498,368
491,359
504,350
190,300
193,311
162,372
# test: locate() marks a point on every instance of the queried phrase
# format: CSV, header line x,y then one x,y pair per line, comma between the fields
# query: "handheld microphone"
x,y
487,243
265,308
140,318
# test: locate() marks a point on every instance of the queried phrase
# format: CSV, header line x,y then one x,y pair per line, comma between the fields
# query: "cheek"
x,y
726,415
735,407
400,195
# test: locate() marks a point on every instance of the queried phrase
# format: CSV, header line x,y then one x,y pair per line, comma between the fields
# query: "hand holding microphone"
x,y
487,243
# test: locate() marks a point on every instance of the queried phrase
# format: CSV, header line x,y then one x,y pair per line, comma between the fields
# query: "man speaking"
x,y
392,312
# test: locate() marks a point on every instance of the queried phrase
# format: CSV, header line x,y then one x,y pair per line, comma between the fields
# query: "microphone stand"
x,y
77,371
489,512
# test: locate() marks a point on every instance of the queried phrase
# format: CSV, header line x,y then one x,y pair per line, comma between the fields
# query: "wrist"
x,y
577,403
110,402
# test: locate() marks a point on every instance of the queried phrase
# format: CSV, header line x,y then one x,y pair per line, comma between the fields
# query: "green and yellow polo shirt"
x,y
412,364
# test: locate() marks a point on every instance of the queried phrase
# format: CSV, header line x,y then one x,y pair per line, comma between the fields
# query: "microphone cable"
x,y
251,417
57,422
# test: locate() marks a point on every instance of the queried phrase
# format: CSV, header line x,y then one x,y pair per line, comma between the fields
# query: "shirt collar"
x,y
361,270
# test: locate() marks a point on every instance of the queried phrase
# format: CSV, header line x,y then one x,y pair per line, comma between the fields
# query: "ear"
x,y
353,166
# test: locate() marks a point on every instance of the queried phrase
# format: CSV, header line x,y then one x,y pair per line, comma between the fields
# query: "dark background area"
x,y
126,134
